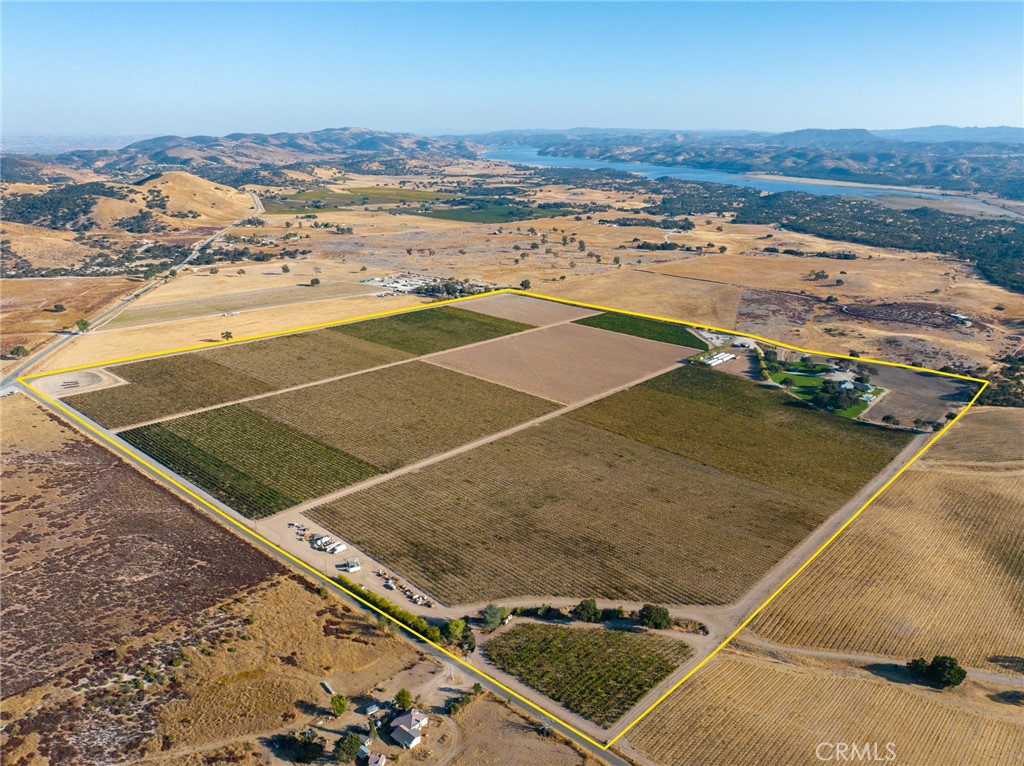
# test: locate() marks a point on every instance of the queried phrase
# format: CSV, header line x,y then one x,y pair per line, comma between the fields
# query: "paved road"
x,y
110,313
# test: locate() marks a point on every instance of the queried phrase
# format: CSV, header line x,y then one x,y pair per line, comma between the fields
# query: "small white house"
x,y
365,740
376,759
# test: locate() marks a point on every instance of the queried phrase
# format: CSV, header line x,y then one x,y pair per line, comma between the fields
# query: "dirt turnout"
x,y
565,363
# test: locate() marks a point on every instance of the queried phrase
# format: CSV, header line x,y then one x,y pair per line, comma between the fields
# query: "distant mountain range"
x,y
943,156
256,150
807,137
975,160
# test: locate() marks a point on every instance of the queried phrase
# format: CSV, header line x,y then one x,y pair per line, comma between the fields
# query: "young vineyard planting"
x,y
252,463
597,673
565,509
652,329
430,330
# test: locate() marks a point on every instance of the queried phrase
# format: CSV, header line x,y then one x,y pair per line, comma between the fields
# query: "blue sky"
x,y
161,68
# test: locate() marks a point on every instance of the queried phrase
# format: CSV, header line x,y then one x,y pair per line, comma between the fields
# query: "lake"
x,y
529,155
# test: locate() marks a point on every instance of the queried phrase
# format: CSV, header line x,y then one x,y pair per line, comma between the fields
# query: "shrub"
x,y
656,617
942,671
587,611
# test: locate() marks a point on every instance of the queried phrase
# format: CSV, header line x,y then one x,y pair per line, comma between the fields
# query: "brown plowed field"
x,y
566,363
521,308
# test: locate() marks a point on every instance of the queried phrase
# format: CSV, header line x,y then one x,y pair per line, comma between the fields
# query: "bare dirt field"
x,y
520,308
566,363
744,711
932,567
96,553
911,395
490,734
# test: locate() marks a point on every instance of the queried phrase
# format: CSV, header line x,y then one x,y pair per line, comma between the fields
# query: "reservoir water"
x,y
529,155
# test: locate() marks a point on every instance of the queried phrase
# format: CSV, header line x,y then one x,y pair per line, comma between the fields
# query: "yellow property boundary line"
x,y
247,532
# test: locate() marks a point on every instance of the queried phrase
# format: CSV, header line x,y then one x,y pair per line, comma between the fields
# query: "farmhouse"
x,y
407,728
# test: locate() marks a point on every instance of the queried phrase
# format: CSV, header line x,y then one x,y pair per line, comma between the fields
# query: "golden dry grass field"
x,y
26,315
746,711
932,567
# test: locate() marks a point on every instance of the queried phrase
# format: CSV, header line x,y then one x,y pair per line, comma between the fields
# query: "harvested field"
x,y
401,414
163,386
99,347
750,431
598,673
565,509
254,464
96,553
565,363
239,301
290,360
985,434
749,712
932,567
665,332
522,308
424,332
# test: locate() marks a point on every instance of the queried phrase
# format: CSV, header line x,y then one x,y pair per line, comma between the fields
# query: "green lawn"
x,y
806,386
666,332
430,330
597,673
855,409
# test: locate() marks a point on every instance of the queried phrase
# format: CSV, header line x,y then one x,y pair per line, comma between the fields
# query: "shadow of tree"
x,y
1008,661
1008,698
